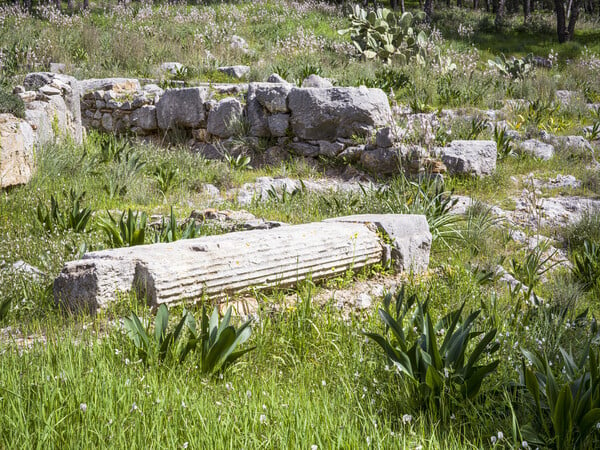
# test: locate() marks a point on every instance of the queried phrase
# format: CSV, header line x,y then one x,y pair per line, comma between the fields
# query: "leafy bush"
x,y
386,78
437,372
587,228
383,35
428,197
216,342
73,217
159,344
11,104
566,407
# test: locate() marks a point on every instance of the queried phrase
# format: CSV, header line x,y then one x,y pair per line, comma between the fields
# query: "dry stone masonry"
x,y
217,266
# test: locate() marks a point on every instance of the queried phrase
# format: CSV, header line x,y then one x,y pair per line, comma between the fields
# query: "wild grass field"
x,y
452,358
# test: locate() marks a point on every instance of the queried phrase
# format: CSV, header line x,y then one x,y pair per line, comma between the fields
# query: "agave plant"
x,y
586,265
127,231
437,370
384,35
160,343
566,407
73,217
171,232
215,341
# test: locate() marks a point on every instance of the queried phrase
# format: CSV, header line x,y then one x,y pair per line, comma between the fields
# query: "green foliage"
x,y
160,344
586,265
171,232
239,162
166,177
72,217
127,231
531,269
384,35
427,196
387,78
11,104
308,70
439,372
567,406
5,308
503,143
217,342
515,68
594,132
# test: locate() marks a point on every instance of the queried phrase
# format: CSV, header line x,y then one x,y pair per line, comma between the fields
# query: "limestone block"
x,y
537,149
223,116
16,151
278,124
330,113
145,118
315,81
217,266
182,108
470,157
235,71
411,239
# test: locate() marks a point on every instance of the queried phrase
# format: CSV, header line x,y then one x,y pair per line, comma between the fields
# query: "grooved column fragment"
x,y
216,266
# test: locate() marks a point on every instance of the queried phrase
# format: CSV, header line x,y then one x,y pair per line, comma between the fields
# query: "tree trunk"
x,y
86,4
475,4
561,26
428,8
402,8
500,14
573,16
459,3
526,11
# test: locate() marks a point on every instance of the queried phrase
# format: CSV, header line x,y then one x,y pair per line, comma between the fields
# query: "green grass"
x,y
313,379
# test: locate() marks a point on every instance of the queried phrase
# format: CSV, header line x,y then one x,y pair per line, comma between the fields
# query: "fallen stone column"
x,y
216,266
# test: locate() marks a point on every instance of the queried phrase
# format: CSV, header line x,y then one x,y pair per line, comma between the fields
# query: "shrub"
x,y
11,104
515,68
437,372
587,228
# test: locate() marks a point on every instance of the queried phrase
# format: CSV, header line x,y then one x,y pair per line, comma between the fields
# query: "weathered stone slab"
x,y
409,233
182,108
16,151
537,149
330,113
470,157
222,117
217,266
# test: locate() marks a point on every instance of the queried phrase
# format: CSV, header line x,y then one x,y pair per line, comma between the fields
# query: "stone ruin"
x,y
214,267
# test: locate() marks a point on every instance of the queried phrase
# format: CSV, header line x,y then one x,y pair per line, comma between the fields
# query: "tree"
x,y
500,13
566,12
428,9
